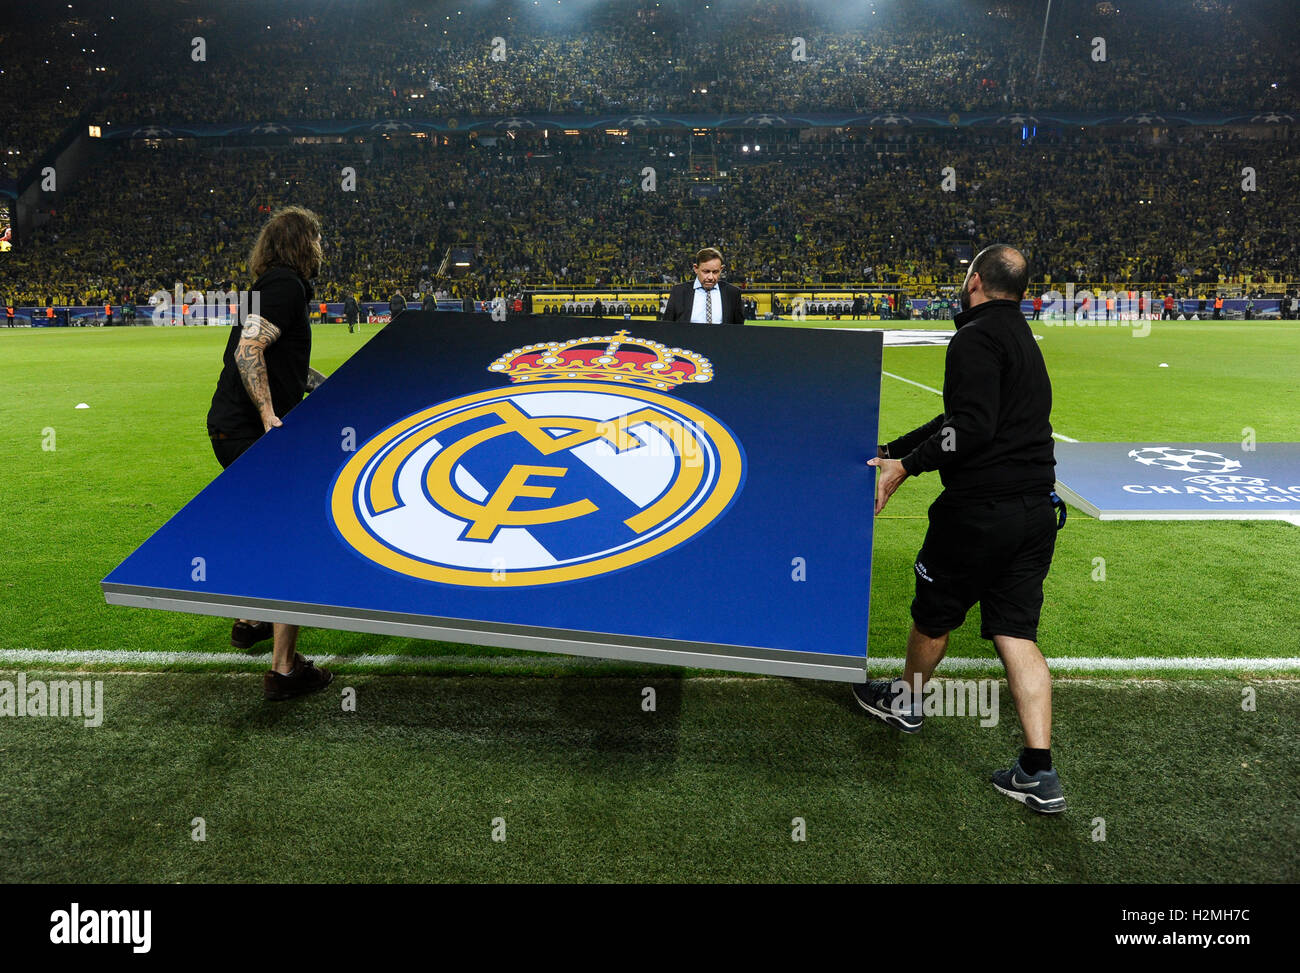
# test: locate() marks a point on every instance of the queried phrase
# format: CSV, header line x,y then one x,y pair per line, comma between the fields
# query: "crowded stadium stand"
x,y
499,129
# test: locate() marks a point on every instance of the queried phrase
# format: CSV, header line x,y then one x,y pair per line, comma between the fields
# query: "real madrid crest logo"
x,y
584,465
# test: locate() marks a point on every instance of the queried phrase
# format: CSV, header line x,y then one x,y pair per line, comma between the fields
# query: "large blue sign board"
x,y
1181,481
683,494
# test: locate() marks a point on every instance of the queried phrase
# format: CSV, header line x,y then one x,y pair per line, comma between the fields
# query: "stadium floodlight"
x,y
1041,44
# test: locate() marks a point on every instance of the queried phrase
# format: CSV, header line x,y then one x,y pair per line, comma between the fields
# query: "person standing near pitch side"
x,y
708,299
265,373
993,529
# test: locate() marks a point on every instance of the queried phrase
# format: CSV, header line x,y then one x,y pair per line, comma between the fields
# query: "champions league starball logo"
x,y
1230,480
1199,476
584,465
1185,460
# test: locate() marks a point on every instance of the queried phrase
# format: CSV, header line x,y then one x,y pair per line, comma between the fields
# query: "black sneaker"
x,y
307,677
880,698
1039,792
245,636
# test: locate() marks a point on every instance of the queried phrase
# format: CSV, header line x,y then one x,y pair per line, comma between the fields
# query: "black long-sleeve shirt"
x,y
994,437
282,298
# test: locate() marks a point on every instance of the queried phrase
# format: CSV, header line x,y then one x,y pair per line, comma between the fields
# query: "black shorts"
x,y
227,449
996,553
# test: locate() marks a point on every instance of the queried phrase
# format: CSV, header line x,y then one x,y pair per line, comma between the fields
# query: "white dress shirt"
x,y
699,314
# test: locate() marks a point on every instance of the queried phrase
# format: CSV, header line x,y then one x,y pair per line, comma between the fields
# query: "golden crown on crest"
x,y
605,359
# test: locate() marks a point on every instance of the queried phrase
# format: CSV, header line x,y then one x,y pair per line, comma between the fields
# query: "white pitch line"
x,y
1055,435
129,657
235,659
910,382
1108,664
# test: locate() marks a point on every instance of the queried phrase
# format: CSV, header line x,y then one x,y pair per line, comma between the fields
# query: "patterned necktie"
x,y
708,306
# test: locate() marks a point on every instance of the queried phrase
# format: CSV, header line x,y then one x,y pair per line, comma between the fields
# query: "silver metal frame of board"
x,y
672,652
1092,510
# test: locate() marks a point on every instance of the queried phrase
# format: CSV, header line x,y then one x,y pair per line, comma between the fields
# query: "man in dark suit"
x,y
705,300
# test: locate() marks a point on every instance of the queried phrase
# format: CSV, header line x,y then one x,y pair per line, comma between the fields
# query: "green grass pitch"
x,y
445,738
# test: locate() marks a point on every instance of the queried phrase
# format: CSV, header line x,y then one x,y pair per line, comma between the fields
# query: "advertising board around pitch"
x,y
679,494
1181,481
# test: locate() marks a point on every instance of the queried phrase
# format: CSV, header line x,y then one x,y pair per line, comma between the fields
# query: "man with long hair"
x,y
265,372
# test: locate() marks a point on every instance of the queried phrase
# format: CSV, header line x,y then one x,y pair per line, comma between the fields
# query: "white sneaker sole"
x,y
890,719
1055,806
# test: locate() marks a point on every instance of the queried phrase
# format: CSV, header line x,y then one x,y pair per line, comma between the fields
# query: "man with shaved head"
x,y
992,530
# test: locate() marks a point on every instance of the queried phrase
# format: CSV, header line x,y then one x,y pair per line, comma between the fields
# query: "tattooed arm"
x,y
257,335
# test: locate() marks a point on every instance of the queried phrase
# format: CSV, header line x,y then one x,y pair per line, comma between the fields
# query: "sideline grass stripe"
x,y
928,388
405,786
145,660
148,660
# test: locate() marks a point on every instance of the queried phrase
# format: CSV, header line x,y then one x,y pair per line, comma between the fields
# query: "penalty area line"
x,y
928,388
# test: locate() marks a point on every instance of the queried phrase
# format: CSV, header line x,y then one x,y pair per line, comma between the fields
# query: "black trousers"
x,y
229,449
994,552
